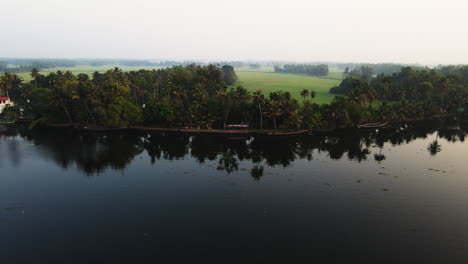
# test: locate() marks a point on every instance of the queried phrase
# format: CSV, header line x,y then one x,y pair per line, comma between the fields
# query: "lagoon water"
x,y
394,195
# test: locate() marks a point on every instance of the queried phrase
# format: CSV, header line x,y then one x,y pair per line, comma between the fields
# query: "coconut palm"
x,y
313,94
5,83
386,80
259,99
60,97
305,93
35,74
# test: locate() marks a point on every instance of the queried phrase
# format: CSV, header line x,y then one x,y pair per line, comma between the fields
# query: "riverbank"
x,y
227,132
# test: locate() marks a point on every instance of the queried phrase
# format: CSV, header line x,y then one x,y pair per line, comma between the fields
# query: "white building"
x,y
4,101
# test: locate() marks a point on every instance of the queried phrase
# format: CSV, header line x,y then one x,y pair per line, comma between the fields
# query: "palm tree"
x,y
386,80
10,82
313,94
86,94
305,93
5,83
60,98
35,74
259,99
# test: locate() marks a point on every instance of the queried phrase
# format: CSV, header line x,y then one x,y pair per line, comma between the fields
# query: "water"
x,y
397,195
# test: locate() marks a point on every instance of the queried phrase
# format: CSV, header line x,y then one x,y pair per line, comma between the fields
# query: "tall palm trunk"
x,y
68,114
261,116
91,114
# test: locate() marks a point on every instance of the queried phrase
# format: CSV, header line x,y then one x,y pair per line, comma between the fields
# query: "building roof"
x,y
4,98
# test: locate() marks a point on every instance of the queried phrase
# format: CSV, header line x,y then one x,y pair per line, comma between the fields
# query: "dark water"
x,y
397,195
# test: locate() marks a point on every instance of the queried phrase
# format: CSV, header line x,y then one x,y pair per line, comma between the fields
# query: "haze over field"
x,y
419,31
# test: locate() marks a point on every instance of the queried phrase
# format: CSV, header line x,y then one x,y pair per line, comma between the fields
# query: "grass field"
x,y
253,79
266,80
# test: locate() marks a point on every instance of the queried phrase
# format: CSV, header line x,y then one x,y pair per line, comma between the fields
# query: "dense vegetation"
x,y
414,93
313,70
200,97
375,68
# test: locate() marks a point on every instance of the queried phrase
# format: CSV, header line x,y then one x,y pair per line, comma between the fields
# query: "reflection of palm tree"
x,y
257,172
228,162
379,157
434,147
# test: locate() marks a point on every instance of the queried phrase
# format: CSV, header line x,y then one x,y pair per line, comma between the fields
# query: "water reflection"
x,y
92,153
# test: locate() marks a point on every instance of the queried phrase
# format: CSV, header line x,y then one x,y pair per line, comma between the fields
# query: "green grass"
x,y
293,83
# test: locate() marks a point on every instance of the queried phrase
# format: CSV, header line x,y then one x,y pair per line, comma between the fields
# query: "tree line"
x,y
203,96
314,70
376,68
410,93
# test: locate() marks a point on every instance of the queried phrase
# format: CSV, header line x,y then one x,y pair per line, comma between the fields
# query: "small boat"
x,y
372,125
291,133
103,129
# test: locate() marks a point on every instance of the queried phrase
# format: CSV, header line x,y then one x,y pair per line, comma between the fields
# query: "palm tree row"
x,y
199,96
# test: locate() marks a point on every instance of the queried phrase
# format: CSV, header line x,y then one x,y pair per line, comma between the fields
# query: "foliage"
x,y
200,96
314,70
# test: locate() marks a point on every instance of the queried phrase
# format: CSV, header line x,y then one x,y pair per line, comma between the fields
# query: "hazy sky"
x,y
411,31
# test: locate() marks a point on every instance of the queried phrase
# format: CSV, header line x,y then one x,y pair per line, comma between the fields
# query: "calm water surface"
x,y
398,195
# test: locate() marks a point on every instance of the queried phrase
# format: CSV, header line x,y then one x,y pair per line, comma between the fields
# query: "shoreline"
x,y
228,132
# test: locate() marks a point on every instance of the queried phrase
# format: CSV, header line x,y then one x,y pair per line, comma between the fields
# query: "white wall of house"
x,y
4,103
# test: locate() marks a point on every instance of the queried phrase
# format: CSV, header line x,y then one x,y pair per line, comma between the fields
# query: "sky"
x,y
406,31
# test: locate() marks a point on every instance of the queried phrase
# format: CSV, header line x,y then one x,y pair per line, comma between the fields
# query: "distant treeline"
x,y
377,68
18,65
4,68
314,70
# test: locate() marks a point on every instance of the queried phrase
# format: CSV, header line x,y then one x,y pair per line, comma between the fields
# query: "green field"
x,y
266,80
253,79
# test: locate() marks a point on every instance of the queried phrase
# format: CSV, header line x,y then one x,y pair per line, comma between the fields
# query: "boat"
x,y
372,125
103,129
291,133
